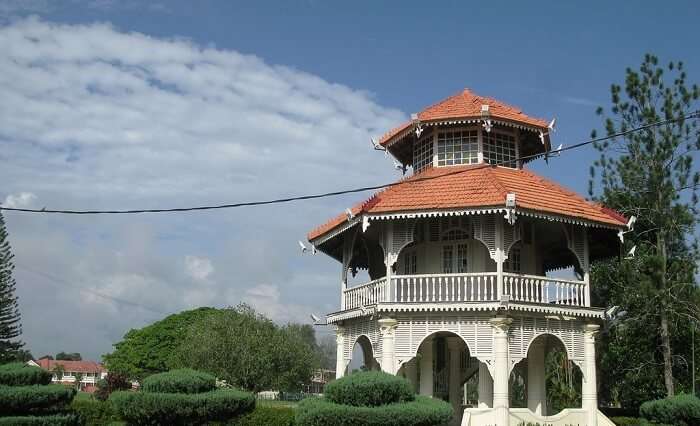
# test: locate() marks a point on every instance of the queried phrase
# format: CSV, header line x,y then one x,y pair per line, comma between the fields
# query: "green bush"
x,y
146,408
93,411
30,399
184,380
369,389
56,420
21,374
423,411
625,421
267,416
679,410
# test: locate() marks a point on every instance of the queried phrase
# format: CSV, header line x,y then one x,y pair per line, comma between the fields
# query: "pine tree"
x,y
10,327
650,174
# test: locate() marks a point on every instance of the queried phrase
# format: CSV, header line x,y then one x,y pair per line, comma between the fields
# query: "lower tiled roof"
x,y
476,186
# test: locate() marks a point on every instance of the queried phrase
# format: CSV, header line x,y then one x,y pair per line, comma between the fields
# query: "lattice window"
x,y
462,258
447,259
455,234
422,154
410,263
499,148
458,147
512,264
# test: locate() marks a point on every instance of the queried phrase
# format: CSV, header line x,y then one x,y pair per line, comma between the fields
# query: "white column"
x,y
589,394
536,391
454,345
340,355
485,386
501,402
387,328
426,368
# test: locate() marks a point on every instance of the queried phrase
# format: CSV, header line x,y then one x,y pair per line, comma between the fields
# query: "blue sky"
x,y
111,112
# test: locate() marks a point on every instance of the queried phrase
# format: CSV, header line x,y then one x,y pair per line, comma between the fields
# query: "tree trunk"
x,y
666,348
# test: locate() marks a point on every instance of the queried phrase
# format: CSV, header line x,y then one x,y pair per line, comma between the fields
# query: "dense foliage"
x,y
650,174
52,420
422,411
150,350
111,383
18,374
10,327
184,380
146,408
93,411
680,410
264,415
23,393
72,356
249,351
370,389
372,398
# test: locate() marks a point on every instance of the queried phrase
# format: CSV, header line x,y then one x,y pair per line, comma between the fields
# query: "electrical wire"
x,y
695,114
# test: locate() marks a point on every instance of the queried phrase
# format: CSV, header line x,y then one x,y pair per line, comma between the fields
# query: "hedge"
x,y
369,389
145,408
55,420
267,416
20,374
679,410
423,411
94,412
28,399
184,380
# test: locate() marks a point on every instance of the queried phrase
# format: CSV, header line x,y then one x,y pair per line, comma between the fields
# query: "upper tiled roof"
x,y
71,366
457,187
467,104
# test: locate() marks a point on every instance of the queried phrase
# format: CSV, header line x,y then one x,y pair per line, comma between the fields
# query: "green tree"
x,y
650,174
10,327
249,351
149,350
77,380
59,370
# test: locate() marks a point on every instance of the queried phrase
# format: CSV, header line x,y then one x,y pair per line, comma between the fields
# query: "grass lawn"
x,y
83,395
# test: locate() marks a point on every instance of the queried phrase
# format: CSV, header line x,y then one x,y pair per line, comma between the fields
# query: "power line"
x,y
695,114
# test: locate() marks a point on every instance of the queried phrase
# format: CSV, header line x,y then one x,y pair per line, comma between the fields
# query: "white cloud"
x,y
97,118
199,268
20,200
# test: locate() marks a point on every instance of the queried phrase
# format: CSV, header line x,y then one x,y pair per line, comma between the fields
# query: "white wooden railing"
x,y
534,289
474,287
471,287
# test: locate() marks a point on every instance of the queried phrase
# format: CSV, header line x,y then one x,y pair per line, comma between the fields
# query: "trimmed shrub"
x,y
30,399
112,383
94,412
423,411
680,410
184,380
369,389
146,408
21,374
265,415
56,420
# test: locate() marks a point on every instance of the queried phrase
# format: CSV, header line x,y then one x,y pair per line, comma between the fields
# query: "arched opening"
x,y
443,366
362,356
547,381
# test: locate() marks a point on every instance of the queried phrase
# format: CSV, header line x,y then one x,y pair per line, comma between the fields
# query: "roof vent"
x,y
484,110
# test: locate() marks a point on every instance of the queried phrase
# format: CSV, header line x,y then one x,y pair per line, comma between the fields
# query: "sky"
x,y
134,104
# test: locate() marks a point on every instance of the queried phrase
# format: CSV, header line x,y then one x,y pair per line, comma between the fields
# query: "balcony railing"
x,y
471,287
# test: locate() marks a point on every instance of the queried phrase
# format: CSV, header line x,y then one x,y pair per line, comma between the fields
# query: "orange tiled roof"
x,y
467,104
458,187
76,366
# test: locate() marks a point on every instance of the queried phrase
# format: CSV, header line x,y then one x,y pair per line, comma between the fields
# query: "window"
x,y
512,264
458,147
462,258
499,148
455,234
410,263
422,154
447,259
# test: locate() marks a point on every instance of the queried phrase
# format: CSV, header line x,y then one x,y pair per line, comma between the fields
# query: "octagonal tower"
x,y
460,258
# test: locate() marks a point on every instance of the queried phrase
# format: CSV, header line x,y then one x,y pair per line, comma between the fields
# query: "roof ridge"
x,y
496,181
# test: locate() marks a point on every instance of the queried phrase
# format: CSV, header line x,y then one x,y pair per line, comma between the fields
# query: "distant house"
x,y
91,372
318,381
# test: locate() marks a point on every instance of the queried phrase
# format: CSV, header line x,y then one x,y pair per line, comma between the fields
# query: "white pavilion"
x,y
462,257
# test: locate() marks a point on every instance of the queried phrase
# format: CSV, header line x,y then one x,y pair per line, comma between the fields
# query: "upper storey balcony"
x,y
470,229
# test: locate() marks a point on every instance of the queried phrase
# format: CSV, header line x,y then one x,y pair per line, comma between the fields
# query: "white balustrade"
x,y
471,287
534,289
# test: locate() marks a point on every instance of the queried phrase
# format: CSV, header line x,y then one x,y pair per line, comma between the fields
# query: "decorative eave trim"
x,y
336,317
336,231
567,219
438,307
575,311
